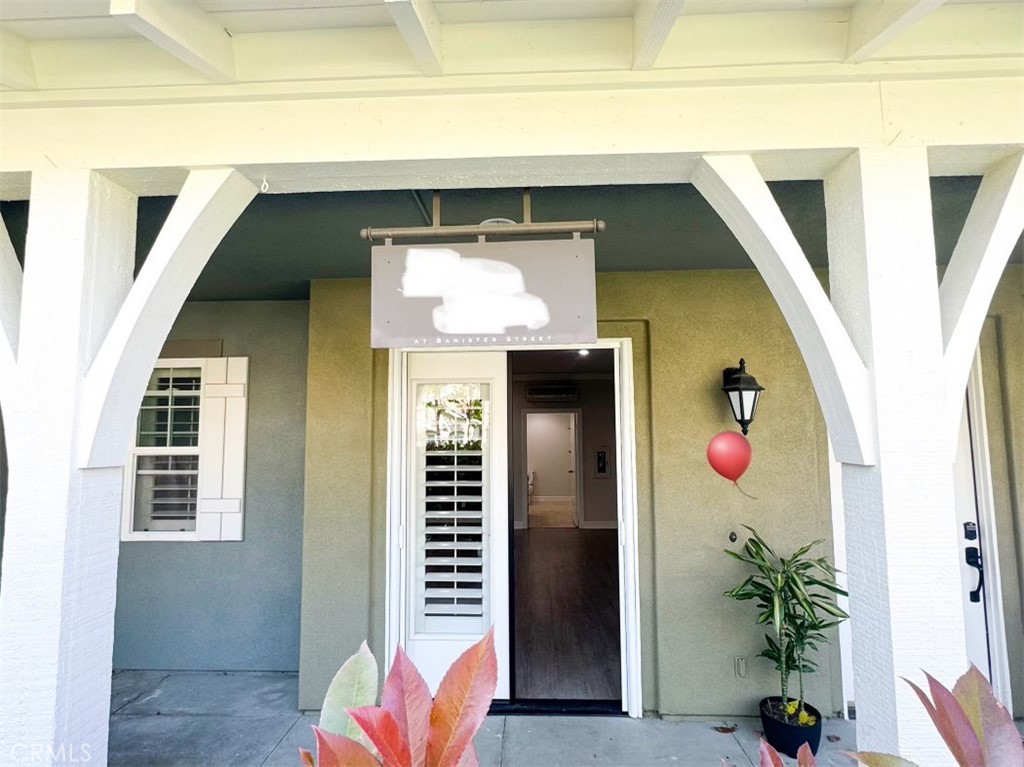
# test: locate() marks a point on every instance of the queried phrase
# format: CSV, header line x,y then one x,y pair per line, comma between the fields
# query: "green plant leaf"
x,y
799,553
796,583
354,686
777,612
757,537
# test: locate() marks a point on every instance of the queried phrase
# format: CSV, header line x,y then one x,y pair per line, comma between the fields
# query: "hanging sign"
x,y
483,294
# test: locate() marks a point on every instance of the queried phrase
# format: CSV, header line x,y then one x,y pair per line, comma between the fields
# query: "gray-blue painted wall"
x,y
225,605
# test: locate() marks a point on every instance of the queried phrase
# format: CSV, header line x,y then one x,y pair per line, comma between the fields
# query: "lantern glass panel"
x,y
749,404
736,403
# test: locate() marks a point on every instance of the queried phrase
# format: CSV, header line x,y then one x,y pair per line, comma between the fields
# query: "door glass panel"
x,y
452,489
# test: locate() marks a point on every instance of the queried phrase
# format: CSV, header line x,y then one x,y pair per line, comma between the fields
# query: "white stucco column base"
x,y
904,579
61,537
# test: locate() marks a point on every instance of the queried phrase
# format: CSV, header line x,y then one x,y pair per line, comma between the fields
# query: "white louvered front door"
x,y
456,520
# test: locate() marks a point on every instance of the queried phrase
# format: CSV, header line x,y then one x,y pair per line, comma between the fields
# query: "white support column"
x,y
88,335
900,522
61,529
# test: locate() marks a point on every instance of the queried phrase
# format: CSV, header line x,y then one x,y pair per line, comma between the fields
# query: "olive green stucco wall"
x,y
685,327
343,541
699,323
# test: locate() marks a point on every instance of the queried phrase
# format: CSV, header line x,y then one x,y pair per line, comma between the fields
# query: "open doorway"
x,y
565,554
553,494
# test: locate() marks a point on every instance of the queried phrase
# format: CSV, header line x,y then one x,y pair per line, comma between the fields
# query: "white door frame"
x,y
629,577
522,491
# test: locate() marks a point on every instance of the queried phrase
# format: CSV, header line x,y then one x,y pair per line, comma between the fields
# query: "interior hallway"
x,y
552,513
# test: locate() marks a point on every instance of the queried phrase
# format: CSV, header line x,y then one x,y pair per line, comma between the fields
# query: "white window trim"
x,y
128,493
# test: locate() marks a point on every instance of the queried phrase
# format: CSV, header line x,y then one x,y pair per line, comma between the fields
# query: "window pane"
x,y
166,489
170,409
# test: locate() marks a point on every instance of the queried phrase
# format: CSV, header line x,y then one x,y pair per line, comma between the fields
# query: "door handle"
x,y
972,555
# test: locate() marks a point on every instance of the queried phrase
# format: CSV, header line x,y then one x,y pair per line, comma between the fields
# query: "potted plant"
x,y
795,595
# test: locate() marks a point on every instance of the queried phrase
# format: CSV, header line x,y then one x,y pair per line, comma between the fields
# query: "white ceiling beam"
x,y
421,29
652,22
875,23
183,30
16,68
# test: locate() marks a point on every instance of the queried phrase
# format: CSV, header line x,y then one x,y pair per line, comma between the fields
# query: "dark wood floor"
x,y
567,614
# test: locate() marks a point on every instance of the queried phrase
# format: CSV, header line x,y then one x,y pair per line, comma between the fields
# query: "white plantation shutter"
x,y
222,449
452,489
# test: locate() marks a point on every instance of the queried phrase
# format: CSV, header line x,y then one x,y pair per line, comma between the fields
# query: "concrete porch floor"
x,y
228,719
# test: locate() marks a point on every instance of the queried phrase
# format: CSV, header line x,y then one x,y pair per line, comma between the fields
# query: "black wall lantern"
x,y
743,392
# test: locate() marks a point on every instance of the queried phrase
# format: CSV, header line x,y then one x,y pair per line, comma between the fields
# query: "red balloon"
x,y
729,454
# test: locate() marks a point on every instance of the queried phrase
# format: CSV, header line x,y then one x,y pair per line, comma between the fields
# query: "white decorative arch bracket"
x,y
993,227
209,204
736,190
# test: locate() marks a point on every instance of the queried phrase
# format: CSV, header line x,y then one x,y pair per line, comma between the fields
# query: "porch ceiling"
x,y
58,50
283,241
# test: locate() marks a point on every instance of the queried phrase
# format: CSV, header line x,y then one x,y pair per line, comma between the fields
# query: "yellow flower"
x,y
791,707
806,719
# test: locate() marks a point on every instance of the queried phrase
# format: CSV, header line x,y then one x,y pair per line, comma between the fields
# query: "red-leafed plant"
x,y
977,728
407,729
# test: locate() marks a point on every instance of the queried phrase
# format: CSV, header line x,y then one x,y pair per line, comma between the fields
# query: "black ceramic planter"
x,y
787,738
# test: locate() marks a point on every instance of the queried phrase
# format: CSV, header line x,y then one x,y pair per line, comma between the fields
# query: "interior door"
x,y
456,517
